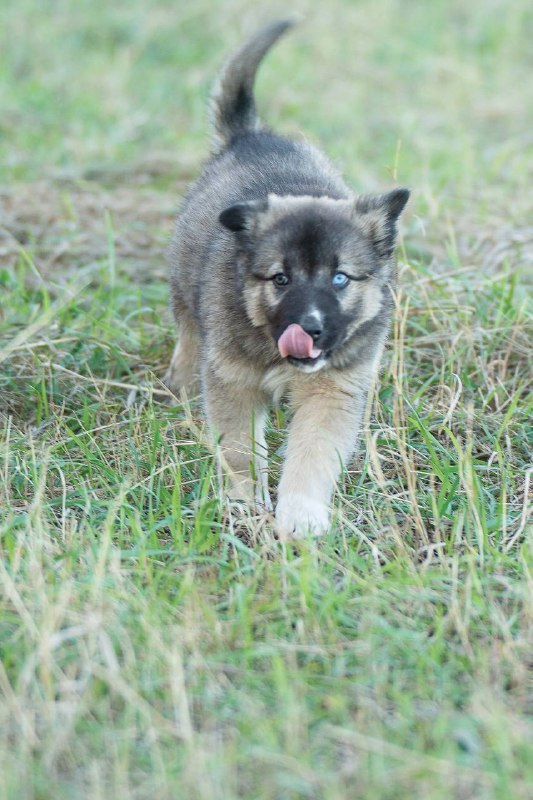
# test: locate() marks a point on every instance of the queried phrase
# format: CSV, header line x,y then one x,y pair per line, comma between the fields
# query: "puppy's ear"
x,y
378,216
243,216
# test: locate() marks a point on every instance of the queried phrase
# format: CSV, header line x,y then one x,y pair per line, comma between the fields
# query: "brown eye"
x,y
280,279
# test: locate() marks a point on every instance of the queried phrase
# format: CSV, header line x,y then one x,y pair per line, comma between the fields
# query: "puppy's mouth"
x,y
298,347
302,363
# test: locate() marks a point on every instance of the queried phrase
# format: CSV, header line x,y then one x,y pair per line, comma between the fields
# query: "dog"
x,y
282,286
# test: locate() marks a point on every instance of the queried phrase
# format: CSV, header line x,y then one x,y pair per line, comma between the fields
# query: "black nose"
x,y
312,324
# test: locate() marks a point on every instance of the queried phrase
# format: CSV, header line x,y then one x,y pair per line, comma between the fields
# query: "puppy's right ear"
x,y
378,217
243,216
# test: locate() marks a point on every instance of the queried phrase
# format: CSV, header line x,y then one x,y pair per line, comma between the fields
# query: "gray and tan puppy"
x,y
281,286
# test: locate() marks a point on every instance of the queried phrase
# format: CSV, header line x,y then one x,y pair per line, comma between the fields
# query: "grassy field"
x,y
152,644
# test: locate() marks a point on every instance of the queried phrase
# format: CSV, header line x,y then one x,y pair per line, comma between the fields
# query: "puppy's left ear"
x,y
377,215
243,216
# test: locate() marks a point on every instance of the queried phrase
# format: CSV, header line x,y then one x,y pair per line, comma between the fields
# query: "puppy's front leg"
x,y
236,416
322,437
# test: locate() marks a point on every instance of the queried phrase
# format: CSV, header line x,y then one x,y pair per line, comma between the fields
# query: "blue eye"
x,y
280,279
340,280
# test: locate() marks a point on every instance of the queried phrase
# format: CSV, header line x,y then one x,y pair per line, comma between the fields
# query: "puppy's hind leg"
x,y
183,372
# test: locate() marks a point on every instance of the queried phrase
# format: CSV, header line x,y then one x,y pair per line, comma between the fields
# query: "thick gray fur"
x,y
265,205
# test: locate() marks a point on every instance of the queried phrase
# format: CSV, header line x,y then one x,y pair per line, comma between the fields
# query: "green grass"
x,y
152,644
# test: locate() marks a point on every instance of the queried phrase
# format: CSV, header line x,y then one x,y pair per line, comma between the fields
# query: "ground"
x,y
153,643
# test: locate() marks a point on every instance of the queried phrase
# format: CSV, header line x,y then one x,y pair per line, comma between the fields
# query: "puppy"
x,y
281,285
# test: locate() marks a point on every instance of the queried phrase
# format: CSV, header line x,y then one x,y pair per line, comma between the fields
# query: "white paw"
x,y
300,515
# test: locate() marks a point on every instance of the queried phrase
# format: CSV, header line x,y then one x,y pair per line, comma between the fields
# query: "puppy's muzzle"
x,y
313,325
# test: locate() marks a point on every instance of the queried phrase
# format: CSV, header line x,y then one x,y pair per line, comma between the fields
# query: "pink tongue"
x,y
294,341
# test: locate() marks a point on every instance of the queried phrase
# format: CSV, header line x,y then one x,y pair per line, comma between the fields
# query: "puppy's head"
x,y
315,269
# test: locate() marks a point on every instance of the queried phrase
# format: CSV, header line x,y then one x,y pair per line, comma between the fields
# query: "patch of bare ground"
x,y
65,224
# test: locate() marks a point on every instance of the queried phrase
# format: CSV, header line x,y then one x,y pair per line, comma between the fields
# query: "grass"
x,y
153,644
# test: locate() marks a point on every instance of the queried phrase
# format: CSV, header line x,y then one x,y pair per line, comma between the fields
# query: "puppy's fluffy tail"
x,y
232,105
